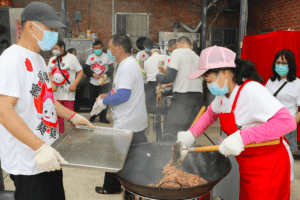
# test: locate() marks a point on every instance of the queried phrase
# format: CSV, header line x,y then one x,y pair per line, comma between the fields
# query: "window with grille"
x,y
223,36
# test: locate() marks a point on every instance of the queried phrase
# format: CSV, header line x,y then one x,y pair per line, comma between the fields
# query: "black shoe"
x,y
105,121
92,118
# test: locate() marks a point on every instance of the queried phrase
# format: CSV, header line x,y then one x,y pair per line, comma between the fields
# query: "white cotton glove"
x,y
48,159
77,118
232,145
98,107
187,138
160,65
164,86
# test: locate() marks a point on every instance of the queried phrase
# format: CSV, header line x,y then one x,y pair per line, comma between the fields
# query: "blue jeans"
x,y
292,138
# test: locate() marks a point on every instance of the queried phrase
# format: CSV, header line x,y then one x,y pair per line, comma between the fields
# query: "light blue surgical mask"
x,y
282,69
215,89
147,50
56,52
98,52
49,39
110,56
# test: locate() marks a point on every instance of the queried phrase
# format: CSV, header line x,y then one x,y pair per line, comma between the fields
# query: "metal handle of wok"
x,y
170,182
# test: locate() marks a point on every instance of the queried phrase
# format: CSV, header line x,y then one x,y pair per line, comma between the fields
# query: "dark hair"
x,y
97,42
231,47
244,69
71,50
123,40
289,56
23,23
61,43
5,41
2,48
184,40
171,43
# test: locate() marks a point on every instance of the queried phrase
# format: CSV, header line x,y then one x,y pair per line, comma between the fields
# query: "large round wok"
x,y
145,163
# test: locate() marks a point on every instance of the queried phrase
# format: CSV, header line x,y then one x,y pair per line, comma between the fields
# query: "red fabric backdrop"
x,y
261,50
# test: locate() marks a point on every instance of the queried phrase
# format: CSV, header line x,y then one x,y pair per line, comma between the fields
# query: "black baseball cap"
x,y
43,13
148,43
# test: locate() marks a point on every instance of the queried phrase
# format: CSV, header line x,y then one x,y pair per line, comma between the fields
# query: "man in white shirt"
x,y
127,98
151,71
99,68
28,110
187,98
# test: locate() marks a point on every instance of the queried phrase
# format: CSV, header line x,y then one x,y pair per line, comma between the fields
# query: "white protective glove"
x,y
160,65
76,118
232,145
187,138
98,107
159,92
48,159
163,86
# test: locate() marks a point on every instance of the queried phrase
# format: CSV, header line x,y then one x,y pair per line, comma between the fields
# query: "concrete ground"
x,y
80,184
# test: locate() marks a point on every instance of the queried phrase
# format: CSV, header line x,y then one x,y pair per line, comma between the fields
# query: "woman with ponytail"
x,y
249,114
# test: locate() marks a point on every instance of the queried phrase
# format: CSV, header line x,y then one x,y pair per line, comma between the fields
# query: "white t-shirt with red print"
x,y
142,56
69,66
24,75
99,65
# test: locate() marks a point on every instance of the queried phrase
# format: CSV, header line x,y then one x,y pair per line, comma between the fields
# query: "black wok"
x,y
144,166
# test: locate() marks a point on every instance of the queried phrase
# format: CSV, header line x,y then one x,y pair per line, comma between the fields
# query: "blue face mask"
x,y
282,69
215,89
98,52
49,39
147,50
110,56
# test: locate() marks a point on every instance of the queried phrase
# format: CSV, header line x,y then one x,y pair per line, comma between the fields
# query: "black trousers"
x,y
110,181
79,94
183,110
95,91
150,93
44,186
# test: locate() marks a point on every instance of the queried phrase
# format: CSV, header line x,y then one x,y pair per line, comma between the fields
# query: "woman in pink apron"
x,y
248,114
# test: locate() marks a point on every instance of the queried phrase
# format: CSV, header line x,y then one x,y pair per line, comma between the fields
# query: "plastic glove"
x,y
232,145
164,86
159,93
47,159
98,107
160,65
187,138
78,119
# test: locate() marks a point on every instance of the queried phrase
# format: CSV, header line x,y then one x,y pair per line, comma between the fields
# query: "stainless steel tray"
x,y
98,148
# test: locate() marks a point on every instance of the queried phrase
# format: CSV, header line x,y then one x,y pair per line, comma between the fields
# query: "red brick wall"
x,y
273,14
163,14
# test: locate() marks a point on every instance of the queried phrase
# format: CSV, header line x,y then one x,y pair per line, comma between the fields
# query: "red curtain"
x,y
261,50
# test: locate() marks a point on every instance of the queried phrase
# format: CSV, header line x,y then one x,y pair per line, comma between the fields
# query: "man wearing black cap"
x,y
28,111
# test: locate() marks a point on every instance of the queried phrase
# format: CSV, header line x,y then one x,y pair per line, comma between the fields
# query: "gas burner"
x,y
128,195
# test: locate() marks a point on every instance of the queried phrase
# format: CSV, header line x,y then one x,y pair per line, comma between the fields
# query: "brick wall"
x,y
163,14
273,14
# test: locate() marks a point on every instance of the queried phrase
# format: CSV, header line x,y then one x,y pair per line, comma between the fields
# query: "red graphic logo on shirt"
x,y
169,60
98,69
58,78
92,59
45,106
53,61
28,65
143,56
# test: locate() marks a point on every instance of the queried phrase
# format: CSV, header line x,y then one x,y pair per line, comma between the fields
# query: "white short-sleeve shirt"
x,y
24,75
289,95
185,61
142,56
131,115
99,65
69,66
150,66
255,105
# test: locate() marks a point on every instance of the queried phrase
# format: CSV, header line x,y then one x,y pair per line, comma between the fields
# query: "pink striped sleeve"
x,y
280,124
204,122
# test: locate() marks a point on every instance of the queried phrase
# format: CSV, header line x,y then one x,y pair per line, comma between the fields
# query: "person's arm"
x,y
279,125
10,119
297,118
54,88
120,97
169,77
110,70
79,77
63,111
207,119
87,70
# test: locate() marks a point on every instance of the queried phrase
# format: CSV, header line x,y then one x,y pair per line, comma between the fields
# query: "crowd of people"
x,y
36,99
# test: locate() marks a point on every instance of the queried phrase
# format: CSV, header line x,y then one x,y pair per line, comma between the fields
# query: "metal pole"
x,y
63,18
242,32
203,28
